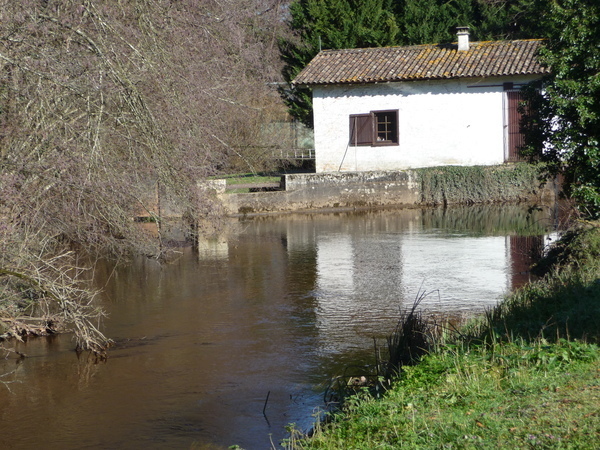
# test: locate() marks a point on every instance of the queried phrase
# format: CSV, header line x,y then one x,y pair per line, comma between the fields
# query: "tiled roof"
x,y
422,62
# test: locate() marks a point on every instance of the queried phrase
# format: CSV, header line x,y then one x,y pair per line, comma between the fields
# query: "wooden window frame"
x,y
385,127
375,129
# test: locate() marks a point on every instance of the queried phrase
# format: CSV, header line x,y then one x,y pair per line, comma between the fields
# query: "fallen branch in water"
x,y
46,295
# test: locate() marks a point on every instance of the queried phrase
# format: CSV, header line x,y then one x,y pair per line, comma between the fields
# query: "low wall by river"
x,y
410,188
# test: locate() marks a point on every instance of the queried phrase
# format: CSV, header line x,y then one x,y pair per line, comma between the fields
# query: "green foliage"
x,y
432,21
576,248
477,184
567,124
557,356
435,21
333,24
510,19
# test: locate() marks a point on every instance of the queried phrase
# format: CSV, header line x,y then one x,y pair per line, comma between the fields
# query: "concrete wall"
x,y
332,190
447,122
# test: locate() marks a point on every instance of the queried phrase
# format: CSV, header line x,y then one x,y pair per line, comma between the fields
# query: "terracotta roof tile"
x,y
422,62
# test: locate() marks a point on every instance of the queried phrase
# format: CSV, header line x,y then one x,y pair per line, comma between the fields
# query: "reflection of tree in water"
x,y
490,220
87,369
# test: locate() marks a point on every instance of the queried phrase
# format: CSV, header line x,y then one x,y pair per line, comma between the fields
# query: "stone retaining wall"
x,y
345,190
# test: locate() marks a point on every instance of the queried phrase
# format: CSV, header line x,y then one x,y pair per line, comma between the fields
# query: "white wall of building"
x,y
448,122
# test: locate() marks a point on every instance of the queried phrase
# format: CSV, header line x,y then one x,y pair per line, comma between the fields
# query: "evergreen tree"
x,y
332,24
511,19
435,21
432,21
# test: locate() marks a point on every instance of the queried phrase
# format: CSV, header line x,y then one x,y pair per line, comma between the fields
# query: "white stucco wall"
x,y
450,122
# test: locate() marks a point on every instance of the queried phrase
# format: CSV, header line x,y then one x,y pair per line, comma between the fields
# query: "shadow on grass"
x,y
565,304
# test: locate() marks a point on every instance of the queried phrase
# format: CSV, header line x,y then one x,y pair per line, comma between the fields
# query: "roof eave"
x,y
413,79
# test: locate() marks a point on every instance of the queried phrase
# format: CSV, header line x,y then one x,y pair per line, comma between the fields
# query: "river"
x,y
229,345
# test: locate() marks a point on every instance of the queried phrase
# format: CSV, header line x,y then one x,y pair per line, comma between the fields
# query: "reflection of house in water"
x,y
212,248
365,276
523,250
347,276
468,273
359,278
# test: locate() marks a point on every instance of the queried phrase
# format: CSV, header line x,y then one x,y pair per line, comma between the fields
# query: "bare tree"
x,y
102,106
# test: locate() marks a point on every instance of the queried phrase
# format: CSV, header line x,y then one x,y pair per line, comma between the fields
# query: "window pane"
x,y
386,127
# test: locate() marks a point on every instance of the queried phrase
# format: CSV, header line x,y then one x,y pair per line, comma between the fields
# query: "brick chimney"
x,y
463,38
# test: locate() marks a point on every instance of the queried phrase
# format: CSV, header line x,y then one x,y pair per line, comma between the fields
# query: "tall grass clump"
x,y
412,338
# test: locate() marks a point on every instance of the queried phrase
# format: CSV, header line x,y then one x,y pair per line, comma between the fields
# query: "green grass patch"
x,y
525,375
506,396
238,179
250,178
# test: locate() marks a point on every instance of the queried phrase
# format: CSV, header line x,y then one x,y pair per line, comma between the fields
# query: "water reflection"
x,y
273,308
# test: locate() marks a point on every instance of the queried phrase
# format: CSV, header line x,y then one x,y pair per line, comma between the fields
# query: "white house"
x,y
397,108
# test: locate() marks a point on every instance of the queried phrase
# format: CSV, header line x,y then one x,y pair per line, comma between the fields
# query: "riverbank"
x,y
527,374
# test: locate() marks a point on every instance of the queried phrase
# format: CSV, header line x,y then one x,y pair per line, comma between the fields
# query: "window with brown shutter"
x,y
375,128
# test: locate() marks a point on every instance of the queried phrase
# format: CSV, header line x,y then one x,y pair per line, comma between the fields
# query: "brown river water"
x,y
273,309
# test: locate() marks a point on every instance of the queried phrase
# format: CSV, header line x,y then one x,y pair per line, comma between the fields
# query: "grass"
x,y
525,375
247,178
509,396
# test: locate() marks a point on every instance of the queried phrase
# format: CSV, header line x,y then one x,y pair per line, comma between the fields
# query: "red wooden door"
x,y
514,136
